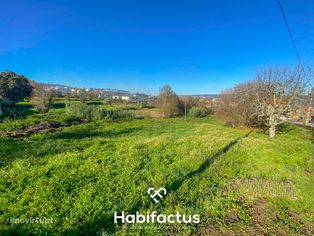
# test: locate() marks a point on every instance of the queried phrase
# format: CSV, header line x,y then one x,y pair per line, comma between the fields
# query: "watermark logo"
x,y
30,220
154,216
156,194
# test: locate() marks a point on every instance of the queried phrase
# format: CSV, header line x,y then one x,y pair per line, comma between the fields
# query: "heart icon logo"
x,y
156,194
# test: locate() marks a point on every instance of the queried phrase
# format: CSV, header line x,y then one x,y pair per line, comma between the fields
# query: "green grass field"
x,y
239,182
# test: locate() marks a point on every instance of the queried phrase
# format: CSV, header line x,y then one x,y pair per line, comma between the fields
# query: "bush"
x,y
42,99
198,112
168,102
84,111
42,104
119,114
236,107
95,112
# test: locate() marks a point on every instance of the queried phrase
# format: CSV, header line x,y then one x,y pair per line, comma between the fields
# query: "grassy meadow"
x,y
239,181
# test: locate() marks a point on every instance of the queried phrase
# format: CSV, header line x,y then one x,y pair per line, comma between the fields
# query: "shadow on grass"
x,y
24,110
20,111
177,184
107,223
12,149
58,105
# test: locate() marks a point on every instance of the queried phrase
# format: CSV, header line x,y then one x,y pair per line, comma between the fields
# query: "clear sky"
x,y
195,46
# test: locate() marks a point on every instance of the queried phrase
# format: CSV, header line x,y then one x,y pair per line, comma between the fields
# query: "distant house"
x,y
310,114
114,97
125,98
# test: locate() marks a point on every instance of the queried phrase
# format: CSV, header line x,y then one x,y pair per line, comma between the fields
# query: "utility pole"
x,y
185,108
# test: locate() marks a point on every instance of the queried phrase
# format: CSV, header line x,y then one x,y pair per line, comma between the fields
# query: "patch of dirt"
x,y
228,232
45,126
206,228
295,217
262,218
263,221
209,230
259,230
232,216
258,211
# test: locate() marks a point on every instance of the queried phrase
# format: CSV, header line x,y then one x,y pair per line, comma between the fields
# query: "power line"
x,y
291,37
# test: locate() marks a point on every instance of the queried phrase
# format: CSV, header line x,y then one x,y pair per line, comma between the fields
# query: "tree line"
x,y
172,105
274,96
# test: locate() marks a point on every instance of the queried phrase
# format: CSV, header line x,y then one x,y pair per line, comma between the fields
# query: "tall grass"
x,y
92,112
199,112
239,184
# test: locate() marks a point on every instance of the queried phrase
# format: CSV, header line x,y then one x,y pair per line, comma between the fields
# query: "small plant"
x,y
198,112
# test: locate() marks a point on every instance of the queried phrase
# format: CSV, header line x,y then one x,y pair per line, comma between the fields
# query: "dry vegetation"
x,y
272,98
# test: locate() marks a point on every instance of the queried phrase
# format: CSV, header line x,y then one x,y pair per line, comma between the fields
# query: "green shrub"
x,y
85,111
95,112
198,112
119,114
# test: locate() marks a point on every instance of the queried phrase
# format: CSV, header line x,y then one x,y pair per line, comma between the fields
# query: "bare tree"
x,y
168,101
270,99
237,106
42,99
226,108
277,92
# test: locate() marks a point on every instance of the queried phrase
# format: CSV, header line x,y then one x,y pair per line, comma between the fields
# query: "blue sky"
x,y
195,46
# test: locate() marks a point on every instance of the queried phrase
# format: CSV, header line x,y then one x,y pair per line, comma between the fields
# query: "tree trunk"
x,y
272,131
306,119
1,113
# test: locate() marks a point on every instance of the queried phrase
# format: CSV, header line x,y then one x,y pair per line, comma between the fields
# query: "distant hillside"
x,y
109,91
68,88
